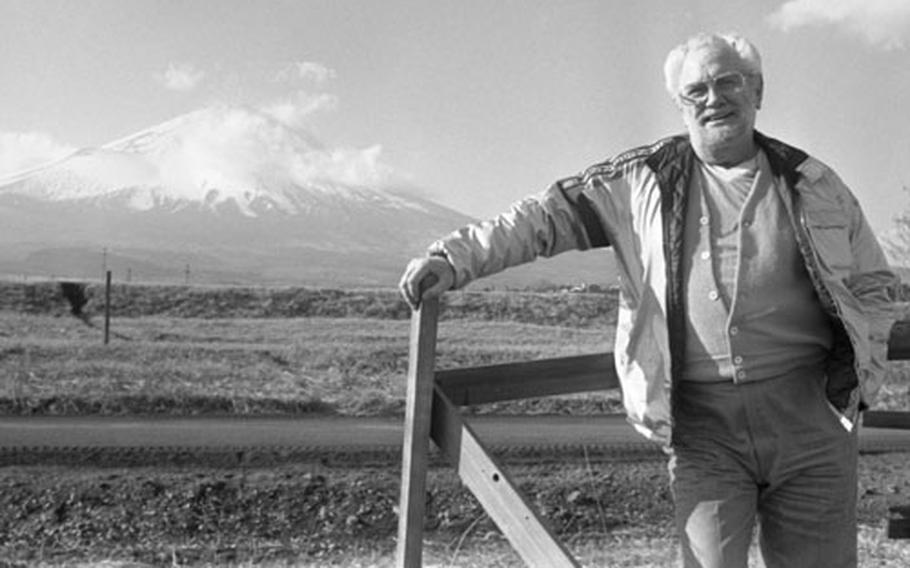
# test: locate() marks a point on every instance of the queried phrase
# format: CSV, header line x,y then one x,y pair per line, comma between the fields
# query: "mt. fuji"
x,y
230,194
211,157
225,194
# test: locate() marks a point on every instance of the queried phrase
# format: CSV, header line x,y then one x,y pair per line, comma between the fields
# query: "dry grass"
x,y
352,366
190,365
188,350
895,393
54,364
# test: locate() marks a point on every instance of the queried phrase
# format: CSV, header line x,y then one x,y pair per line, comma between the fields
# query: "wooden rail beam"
x,y
887,419
528,379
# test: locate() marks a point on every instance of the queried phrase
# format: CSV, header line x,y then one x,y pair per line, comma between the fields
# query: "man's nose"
x,y
713,95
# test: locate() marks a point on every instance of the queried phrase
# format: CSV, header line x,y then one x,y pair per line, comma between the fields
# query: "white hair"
x,y
747,53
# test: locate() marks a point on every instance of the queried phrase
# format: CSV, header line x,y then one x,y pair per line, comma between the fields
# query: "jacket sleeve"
x,y
875,286
557,220
872,279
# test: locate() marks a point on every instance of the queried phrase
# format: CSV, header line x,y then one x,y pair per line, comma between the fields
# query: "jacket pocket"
x,y
830,233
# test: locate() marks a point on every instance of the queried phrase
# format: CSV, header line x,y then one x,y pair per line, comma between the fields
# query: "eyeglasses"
x,y
724,84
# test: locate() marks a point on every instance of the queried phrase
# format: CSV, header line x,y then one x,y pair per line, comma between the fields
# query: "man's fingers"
x,y
412,282
409,284
424,278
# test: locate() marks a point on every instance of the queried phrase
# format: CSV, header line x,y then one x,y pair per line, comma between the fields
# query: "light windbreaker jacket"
x,y
636,203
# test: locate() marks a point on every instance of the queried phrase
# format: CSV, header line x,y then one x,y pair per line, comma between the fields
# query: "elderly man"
x,y
753,314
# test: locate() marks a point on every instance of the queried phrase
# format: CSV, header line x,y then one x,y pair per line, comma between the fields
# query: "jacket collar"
x,y
784,159
673,157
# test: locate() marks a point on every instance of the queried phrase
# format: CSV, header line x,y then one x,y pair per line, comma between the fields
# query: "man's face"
x,y
725,114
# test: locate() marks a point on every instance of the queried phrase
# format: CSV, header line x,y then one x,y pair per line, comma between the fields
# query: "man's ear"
x,y
759,91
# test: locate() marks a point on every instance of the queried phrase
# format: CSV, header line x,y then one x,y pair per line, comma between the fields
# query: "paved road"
x,y
317,432
334,432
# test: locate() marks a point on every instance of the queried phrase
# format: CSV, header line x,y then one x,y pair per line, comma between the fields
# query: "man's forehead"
x,y
710,60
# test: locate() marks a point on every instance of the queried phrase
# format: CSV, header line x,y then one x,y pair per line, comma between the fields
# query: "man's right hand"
x,y
426,277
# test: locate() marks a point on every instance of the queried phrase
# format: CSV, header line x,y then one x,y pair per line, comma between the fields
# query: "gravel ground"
x,y
313,515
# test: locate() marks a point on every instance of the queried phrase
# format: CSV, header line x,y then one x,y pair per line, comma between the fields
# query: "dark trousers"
x,y
772,451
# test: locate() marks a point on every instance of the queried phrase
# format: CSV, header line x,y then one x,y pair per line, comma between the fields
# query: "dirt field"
x,y
309,514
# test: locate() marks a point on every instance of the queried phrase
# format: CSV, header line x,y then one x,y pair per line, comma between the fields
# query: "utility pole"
x,y
107,307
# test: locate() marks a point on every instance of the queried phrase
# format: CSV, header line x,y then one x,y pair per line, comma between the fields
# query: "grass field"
x,y
185,350
190,365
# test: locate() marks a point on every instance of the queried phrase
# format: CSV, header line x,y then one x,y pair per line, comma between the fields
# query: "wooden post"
x,y
415,452
107,307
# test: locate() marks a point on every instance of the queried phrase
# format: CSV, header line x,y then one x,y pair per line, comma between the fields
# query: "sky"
x,y
476,103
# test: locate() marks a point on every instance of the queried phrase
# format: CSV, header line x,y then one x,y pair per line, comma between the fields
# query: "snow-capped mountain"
x,y
230,192
213,156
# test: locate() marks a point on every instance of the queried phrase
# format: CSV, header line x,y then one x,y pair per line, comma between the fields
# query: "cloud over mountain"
x,y
25,150
882,23
218,153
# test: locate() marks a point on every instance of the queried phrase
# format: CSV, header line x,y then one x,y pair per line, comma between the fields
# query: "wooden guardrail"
x,y
432,412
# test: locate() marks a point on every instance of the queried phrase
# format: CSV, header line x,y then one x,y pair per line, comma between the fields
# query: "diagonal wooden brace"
x,y
492,486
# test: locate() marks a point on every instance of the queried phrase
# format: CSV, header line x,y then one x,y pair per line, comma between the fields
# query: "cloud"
x,y
295,111
181,77
882,23
21,151
315,73
347,166
296,107
236,148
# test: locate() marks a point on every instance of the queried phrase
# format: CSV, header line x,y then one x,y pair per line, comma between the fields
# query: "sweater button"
x,y
713,295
